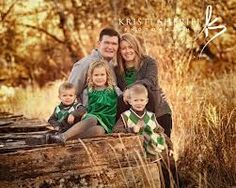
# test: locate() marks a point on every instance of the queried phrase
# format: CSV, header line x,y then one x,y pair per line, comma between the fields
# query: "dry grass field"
x,y
204,118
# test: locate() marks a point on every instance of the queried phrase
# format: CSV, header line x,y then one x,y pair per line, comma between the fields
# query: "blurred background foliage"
x,y
41,39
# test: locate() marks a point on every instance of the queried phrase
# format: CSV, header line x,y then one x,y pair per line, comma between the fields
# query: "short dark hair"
x,y
65,86
110,32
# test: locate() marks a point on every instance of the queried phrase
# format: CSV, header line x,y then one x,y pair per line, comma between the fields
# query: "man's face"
x,y
108,46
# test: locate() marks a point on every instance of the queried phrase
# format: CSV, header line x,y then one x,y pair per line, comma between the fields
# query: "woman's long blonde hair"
x,y
101,63
133,41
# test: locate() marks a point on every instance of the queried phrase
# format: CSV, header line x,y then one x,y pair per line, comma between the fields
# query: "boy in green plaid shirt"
x,y
68,112
140,121
157,145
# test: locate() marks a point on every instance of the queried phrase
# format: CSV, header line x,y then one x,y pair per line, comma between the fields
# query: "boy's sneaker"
x,y
48,138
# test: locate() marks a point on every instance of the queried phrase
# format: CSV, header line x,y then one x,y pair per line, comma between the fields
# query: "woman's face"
x,y
127,51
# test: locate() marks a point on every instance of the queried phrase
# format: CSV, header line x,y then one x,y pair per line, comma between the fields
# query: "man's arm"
x,y
78,77
85,98
118,91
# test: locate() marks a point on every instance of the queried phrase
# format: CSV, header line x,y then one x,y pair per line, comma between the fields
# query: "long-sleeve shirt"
x,y
148,76
125,125
78,75
61,112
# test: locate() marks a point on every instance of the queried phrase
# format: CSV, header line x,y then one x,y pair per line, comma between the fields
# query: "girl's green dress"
x,y
102,105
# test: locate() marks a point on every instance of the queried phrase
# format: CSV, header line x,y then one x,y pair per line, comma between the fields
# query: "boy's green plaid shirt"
x,y
154,143
63,111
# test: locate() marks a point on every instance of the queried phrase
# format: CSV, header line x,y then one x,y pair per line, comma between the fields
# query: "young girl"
x,y
100,99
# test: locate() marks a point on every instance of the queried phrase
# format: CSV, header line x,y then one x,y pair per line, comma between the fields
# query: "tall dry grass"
x,y
204,134
203,114
32,102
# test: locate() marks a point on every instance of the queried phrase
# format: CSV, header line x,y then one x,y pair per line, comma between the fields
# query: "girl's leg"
x,y
79,128
92,132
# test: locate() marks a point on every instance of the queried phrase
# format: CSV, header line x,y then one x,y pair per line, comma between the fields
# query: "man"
x,y
107,48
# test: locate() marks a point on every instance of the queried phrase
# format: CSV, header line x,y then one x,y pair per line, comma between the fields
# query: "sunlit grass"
x,y
204,117
32,102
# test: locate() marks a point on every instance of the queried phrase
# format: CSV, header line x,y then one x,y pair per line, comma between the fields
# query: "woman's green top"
x,y
130,76
102,105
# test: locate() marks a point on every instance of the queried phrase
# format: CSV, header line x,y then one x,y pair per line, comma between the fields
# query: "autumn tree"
x,y
41,39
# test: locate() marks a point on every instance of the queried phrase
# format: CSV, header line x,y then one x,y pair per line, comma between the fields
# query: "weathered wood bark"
x,y
114,161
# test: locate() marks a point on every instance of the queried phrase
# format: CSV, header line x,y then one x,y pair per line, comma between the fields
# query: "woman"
x,y
135,67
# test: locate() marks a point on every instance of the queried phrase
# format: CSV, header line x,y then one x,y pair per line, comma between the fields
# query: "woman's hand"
x,y
163,95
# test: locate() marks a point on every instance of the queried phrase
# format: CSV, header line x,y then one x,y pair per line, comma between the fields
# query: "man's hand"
x,y
71,119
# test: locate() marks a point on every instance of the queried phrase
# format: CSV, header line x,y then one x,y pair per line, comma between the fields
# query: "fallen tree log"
x,y
112,160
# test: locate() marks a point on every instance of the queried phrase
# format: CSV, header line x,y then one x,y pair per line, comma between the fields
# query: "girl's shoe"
x,y
56,138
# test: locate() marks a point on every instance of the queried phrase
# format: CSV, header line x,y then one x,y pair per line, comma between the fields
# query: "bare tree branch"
x,y
71,45
4,15
43,31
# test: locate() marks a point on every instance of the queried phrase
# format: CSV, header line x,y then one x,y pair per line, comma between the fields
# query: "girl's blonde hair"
x,y
132,40
100,63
